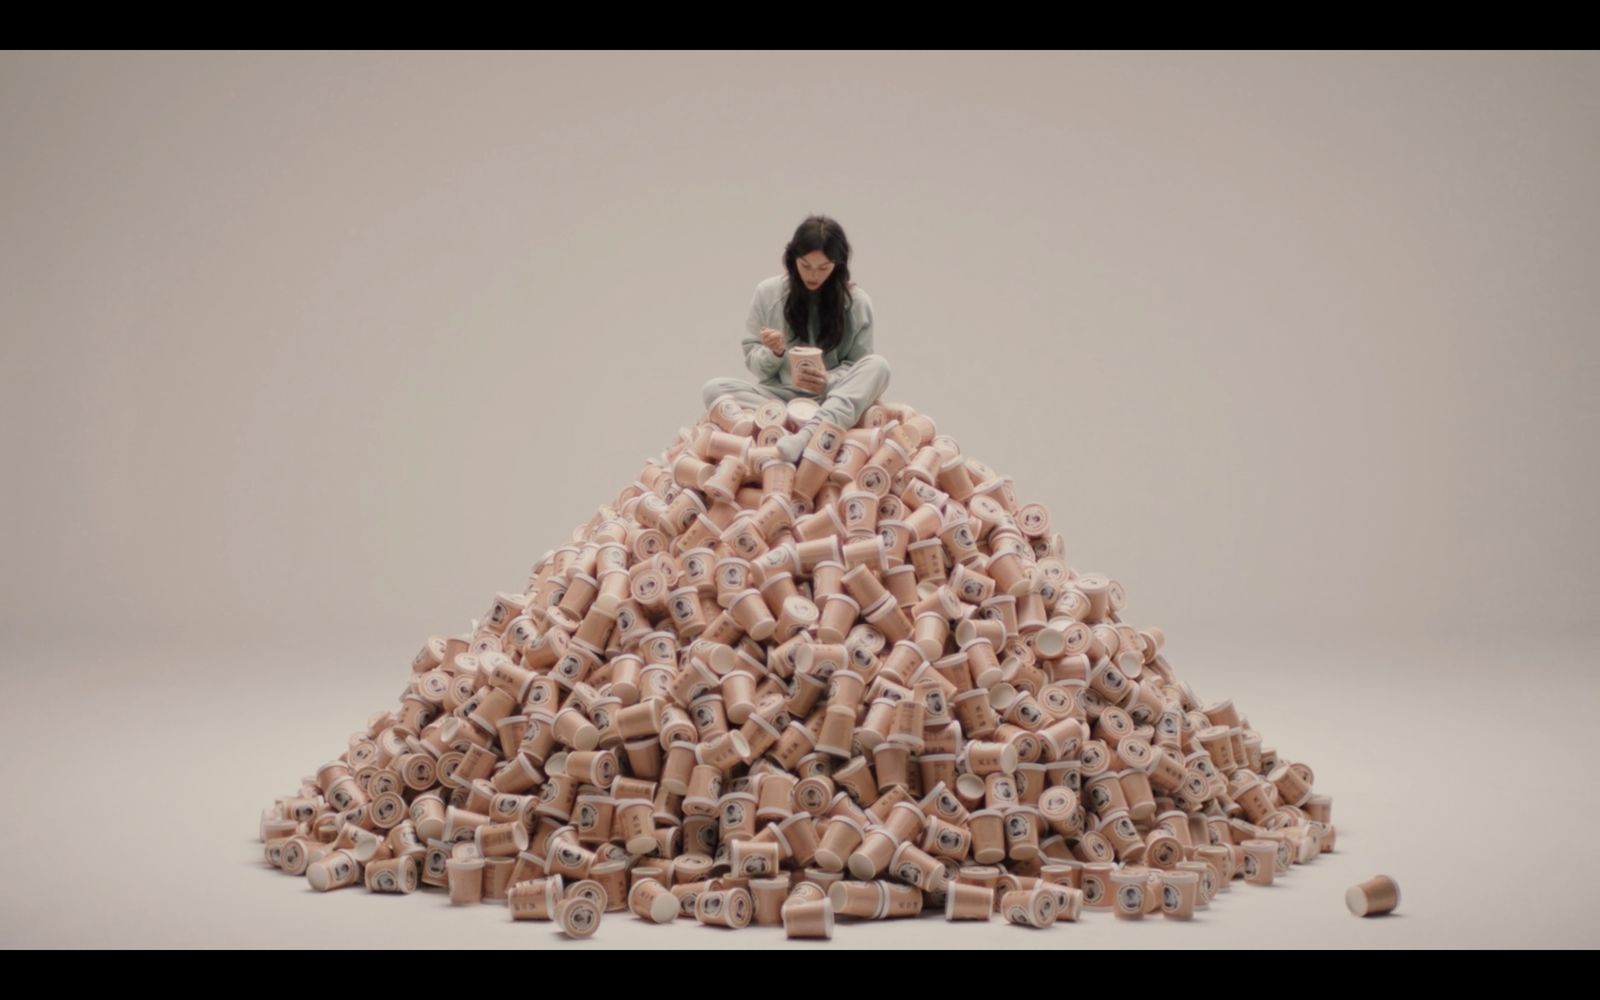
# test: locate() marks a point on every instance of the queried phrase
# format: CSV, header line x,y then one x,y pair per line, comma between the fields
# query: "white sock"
x,y
792,444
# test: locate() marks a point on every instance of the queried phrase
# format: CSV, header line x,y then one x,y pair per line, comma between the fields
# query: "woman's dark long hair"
x,y
833,298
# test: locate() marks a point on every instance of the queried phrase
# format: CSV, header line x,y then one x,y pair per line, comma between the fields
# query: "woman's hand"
x,y
811,380
773,339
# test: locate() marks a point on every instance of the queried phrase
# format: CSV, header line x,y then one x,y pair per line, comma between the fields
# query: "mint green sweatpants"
x,y
847,394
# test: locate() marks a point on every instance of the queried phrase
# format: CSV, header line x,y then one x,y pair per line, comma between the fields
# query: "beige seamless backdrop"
x,y
321,341
304,356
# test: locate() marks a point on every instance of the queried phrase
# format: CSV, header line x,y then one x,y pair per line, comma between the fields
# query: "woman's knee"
x,y
878,365
711,390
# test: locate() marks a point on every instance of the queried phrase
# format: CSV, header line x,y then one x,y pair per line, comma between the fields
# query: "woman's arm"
x,y
861,344
757,356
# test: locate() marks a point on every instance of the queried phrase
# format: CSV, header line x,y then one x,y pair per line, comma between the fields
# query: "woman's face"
x,y
815,267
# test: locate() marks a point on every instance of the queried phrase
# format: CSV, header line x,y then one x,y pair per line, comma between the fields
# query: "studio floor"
x,y
1461,768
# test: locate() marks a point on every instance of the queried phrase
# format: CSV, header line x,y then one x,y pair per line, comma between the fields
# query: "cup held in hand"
x,y
805,359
